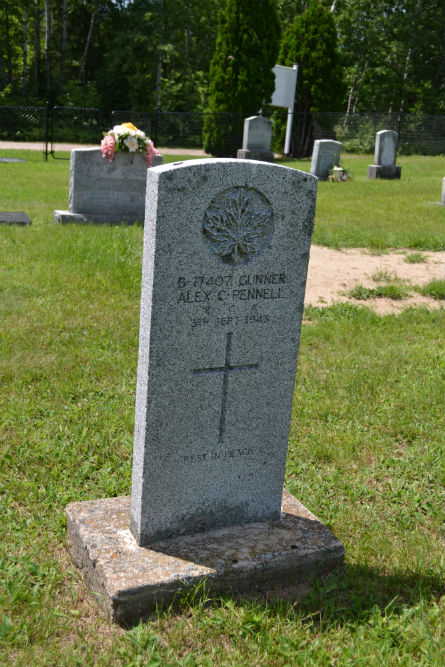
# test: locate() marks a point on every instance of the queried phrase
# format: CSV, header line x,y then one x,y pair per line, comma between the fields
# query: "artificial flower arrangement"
x,y
339,173
128,138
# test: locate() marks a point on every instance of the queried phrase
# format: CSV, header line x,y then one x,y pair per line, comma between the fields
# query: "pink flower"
x,y
108,146
150,152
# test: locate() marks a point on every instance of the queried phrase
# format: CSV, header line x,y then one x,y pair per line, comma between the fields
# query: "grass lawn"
x,y
381,214
358,213
366,445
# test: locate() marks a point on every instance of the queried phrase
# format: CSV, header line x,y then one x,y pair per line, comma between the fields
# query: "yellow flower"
x,y
130,126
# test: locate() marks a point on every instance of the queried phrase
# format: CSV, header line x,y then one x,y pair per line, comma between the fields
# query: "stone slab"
x,y
325,155
94,218
257,133
129,581
14,218
386,142
442,200
99,188
379,171
226,249
11,159
251,154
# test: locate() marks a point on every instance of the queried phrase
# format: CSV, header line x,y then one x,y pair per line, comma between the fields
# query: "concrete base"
x,y
250,154
17,218
128,580
379,171
67,216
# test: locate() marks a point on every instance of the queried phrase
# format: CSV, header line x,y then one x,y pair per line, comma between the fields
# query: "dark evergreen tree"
x,y
241,77
311,42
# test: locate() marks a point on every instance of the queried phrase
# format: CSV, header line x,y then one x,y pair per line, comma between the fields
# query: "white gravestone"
x,y
257,138
384,166
226,250
325,155
104,191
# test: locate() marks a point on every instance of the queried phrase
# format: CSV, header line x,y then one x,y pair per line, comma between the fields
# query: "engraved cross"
x,y
226,369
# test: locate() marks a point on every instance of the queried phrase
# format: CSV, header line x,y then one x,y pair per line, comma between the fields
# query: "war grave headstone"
x,y
226,250
442,201
257,138
325,155
14,218
386,142
103,191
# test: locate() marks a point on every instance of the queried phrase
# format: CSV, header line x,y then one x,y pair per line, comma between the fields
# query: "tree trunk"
x,y
36,26
25,50
8,46
85,51
357,87
47,43
64,39
404,80
158,79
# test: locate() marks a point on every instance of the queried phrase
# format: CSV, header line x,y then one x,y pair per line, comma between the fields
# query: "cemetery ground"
x,y
366,446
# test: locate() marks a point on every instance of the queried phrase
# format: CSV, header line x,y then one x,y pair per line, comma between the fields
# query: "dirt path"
x,y
332,273
39,146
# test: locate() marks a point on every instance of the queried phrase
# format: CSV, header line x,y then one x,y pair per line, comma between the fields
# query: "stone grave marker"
x,y
103,191
384,166
14,218
325,155
442,200
257,138
226,250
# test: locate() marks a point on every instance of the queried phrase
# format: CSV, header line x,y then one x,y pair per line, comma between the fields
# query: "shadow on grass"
x,y
353,592
350,594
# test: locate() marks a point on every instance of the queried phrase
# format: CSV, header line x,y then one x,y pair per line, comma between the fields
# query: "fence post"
x,y
46,129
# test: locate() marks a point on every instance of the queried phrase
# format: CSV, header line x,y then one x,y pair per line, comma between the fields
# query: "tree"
x,y
393,54
311,42
241,77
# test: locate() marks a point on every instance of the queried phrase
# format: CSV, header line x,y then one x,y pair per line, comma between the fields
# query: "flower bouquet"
x,y
339,173
128,138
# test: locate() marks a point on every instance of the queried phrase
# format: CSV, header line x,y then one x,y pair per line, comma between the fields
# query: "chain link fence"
x,y
418,133
22,123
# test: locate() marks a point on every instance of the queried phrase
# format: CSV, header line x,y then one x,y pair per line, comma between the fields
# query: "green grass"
x,y
381,214
366,453
415,258
390,287
393,291
434,288
360,213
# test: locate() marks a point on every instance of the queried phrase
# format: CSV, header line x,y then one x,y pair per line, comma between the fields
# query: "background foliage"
x,y
241,77
139,53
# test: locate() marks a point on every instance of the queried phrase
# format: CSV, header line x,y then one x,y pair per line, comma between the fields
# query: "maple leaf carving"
x,y
239,229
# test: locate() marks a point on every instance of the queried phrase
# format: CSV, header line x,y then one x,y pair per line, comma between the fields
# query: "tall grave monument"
x,y
103,191
257,138
386,142
226,250
325,155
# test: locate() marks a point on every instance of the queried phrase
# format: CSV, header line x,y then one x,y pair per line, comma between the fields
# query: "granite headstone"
x,y
104,191
257,138
384,166
226,250
325,155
